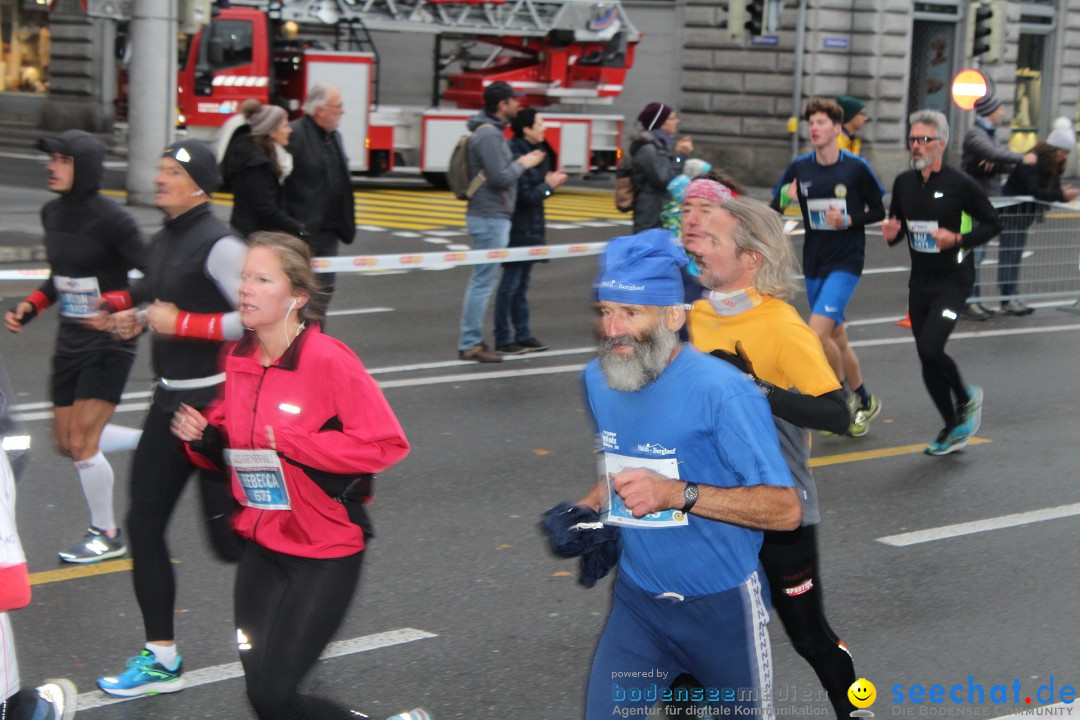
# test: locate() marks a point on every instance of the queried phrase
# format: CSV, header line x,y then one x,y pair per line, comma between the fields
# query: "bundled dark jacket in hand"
x,y
258,199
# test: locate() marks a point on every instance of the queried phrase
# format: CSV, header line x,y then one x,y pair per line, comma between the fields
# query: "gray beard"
x,y
920,164
651,355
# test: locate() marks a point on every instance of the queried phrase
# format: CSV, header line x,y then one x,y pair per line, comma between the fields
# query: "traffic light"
x,y
743,15
755,11
986,29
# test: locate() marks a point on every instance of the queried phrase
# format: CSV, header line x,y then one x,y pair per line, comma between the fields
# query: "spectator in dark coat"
x,y
1042,181
655,160
255,167
534,186
318,192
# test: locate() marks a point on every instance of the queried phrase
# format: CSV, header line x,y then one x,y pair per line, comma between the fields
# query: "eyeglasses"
x,y
921,140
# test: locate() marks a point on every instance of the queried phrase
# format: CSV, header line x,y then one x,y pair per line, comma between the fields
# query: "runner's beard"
x,y
652,353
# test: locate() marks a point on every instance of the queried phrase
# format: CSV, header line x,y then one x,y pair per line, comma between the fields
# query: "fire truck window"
x,y
235,38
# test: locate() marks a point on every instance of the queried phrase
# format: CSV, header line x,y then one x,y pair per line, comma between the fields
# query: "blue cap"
x,y
642,269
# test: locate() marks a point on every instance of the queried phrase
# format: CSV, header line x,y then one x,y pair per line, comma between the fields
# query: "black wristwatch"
x,y
690,495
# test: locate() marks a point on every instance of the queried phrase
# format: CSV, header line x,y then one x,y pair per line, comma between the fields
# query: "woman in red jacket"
x,y
303,427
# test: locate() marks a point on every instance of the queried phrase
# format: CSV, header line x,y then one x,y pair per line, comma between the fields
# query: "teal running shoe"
x,y
144,676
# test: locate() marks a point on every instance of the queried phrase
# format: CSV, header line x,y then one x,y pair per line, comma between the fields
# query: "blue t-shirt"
x,y
850,182
717,425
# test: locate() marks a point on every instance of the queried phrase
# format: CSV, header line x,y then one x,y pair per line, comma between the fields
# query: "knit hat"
x,y
987,104
654,115
198,162
851,106
1062,139
642,269
266,119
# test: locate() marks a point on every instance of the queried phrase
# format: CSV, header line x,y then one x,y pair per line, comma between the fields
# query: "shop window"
x,y
24,49
1028,102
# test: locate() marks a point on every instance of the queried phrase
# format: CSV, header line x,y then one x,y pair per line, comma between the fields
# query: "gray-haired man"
x,y
318,191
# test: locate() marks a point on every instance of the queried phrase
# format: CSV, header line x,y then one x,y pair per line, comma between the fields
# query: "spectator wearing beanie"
x,y
855,116
986,160
1043,181
255,166
655,159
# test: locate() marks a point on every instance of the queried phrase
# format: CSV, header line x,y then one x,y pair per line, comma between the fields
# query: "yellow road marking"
x,y
879,453
80,571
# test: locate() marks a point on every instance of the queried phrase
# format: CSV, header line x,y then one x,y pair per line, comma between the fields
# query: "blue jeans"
x,y
511,305
487,234
1011,252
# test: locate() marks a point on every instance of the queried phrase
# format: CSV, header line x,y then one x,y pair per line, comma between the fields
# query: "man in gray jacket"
x,y
986,160
490,209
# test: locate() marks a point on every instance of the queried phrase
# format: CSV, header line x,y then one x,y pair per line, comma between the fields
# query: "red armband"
x,y
14,587
204,326
39,300
116,300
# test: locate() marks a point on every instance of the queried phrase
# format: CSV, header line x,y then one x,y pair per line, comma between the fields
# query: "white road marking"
x,y
371,228
563,226
895,318
26,416
228,671
359,311
458,247
445,233
978,526
406,234
436,241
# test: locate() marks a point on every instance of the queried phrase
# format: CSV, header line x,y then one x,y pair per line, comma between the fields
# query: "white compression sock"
x,y
96,476
116,438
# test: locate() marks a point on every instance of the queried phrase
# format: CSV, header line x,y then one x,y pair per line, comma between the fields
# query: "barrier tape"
x,y
406,261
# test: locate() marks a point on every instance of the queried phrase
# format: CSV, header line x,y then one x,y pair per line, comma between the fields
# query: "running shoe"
x,y
853,405
970,413
532,345
948,441
414,714
145,676
58,695
95,546
860,423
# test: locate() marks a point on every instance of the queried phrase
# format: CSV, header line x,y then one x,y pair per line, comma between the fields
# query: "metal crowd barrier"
x,y
1036,257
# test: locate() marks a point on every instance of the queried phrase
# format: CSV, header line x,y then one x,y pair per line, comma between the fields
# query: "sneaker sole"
x,y
154,688
873,414
951,449
96,559
70,693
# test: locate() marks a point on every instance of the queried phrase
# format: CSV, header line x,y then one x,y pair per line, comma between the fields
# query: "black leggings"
x,y
287,609
159,473
790,563
933,317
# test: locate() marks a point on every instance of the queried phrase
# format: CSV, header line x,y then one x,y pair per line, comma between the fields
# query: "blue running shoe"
x,y
948,441
972,410
144,676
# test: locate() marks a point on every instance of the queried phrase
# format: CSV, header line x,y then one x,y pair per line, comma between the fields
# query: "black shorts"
x,y
93,376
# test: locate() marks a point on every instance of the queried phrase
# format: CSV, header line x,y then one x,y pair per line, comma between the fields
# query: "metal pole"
x,y
796,96
151,93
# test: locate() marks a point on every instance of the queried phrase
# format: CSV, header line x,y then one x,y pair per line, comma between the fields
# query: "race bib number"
x,y
78,296
818,208
617,513
261,478
921,236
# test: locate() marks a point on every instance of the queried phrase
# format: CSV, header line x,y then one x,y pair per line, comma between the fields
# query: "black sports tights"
x,y
790,562
287,609
933,317
158,475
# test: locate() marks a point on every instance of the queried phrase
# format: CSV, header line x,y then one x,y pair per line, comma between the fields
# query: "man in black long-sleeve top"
x,y
944,215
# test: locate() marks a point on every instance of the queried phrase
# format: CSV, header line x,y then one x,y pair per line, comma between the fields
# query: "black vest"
x,y
176,271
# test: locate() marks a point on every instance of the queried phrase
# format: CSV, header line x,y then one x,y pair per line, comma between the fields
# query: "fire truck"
x,y
550,51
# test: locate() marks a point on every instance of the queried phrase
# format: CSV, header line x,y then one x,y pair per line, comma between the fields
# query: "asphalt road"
x,y
505,631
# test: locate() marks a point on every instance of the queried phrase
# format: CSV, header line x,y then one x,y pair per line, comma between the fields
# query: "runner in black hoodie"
x,y
91,244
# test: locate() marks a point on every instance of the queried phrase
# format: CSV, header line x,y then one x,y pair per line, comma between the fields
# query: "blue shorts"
x,y
721,639
829,296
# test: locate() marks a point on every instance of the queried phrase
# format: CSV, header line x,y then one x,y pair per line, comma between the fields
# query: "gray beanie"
x,y
987,104
198,162
1062,139
266,119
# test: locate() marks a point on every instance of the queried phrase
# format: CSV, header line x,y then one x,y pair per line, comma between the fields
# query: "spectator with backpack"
x,y
655,160
492,196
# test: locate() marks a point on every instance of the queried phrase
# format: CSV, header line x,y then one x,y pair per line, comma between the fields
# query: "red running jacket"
x,y
327,414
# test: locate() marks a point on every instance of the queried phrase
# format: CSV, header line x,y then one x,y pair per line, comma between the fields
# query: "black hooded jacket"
x,y
257,193
87,235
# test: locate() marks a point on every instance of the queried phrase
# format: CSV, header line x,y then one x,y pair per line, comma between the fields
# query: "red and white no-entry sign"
x,y
967,87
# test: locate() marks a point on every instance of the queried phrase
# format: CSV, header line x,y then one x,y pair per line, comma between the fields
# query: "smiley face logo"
x,y
862,693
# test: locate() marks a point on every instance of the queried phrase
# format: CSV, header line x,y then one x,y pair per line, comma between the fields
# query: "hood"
x,y
482,118
89,154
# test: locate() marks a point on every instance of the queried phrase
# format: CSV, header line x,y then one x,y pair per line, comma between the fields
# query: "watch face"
x,y
690,494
